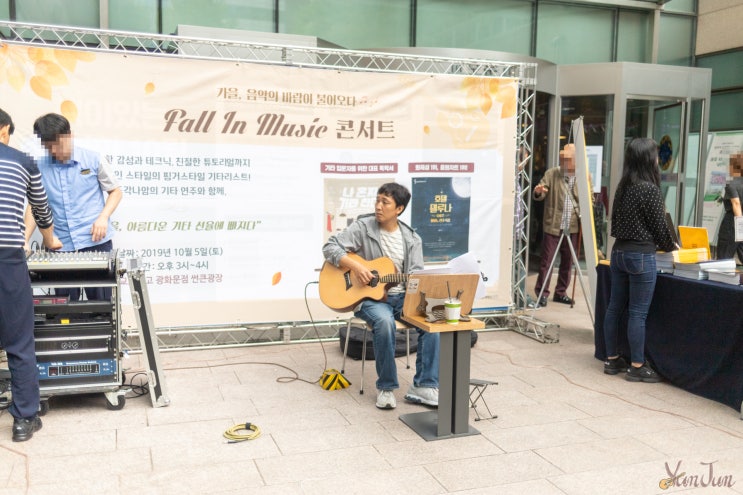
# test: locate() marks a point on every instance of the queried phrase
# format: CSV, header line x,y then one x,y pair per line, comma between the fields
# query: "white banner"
x,y
235,174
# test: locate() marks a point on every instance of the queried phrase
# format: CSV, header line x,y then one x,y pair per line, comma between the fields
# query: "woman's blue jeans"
x,y
633,277
381,318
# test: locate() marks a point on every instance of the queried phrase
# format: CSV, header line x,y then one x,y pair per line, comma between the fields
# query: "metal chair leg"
x,y
363,359
407,347
345,347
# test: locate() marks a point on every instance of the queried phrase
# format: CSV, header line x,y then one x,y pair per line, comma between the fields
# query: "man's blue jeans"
x,y
381,318
633,277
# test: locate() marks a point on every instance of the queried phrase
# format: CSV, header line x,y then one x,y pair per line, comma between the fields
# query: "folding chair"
x,y
399,327
478,388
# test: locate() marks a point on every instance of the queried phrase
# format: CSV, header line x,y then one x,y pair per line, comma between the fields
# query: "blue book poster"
x,y
440,214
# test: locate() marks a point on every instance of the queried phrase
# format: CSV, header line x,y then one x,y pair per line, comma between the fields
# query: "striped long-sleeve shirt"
x,y
20,180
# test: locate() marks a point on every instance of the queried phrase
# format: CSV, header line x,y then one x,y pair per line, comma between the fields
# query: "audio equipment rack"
x,y
78,343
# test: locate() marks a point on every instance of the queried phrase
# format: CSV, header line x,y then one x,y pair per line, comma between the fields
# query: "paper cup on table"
x,y
453,308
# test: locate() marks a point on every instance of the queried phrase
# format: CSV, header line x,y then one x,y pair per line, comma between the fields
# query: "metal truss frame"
x,y
326,58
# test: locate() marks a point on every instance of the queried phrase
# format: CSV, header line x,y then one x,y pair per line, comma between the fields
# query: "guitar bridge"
x,y
347,279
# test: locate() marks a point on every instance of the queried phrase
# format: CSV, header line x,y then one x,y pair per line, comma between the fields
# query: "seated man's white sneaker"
x,y
386,400
423,395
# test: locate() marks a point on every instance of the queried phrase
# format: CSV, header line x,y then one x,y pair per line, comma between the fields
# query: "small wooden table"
x,y
452,418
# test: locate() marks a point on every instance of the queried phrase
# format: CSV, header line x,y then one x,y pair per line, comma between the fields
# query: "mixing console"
x,y
52,260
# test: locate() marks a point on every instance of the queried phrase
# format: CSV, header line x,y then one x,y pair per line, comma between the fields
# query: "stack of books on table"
x,y
700,270
732,277
664,261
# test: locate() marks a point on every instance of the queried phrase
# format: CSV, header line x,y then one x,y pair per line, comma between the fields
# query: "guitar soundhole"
x,y
375,280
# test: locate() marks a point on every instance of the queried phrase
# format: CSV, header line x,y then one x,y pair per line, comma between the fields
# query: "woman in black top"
x,y
726,245
638,224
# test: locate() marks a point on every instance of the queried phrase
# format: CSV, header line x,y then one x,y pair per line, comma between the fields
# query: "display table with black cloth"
x,y
693,338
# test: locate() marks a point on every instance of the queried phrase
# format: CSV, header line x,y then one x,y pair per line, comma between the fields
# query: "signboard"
x,y
235,174
723,145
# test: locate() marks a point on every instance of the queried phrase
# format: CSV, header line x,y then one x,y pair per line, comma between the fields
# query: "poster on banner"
x,y
347,199
440,212
234,174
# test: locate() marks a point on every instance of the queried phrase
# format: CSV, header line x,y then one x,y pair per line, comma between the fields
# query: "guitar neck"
x,y
393,278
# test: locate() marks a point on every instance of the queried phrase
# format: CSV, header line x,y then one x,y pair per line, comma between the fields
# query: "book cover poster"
x,y
346,199
440,214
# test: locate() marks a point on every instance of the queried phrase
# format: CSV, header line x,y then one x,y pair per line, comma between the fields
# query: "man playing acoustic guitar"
x,y
383,235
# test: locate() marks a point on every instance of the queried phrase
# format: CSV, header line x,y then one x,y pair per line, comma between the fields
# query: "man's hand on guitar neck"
x,y
360,271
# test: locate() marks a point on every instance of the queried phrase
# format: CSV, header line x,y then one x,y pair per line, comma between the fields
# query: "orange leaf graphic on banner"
x,y
16,77
478,94
508,109
486,104
37,54
507,96
41,87
276,278
50,66
494,85
468,128
69,110
51,72
469,82
67,59
149,88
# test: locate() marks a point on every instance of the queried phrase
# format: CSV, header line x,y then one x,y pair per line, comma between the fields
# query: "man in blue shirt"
x,y
20,181
83,194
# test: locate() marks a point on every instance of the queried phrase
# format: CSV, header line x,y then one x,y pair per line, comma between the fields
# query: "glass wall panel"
x,y
664,121
726,111
5,10
351,24
676,40
499,25
133,15
691,181
634,36
727,69
692,186
539,167
684,6
80,13
667,130
252,15
569,34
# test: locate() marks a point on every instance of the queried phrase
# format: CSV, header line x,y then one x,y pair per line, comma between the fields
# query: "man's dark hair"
x,y
6,120
398,192
50,126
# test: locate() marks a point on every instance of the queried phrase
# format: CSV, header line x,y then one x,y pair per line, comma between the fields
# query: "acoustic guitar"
x,y
340,291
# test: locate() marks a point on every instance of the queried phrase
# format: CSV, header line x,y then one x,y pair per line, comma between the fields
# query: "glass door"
x,y
665,122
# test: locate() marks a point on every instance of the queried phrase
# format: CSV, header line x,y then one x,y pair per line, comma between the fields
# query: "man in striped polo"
x,y
20,180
